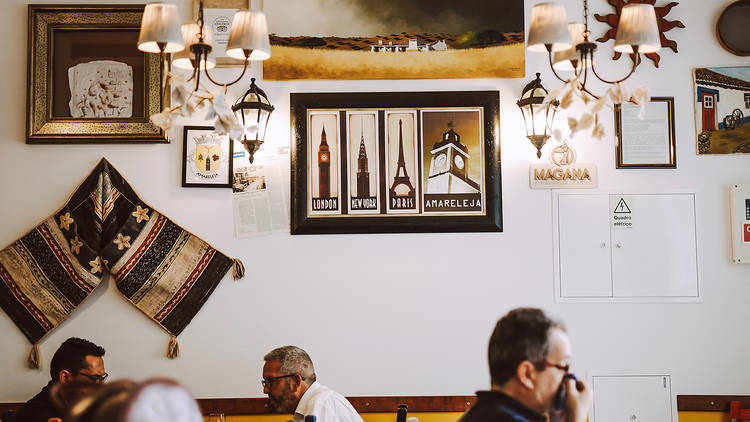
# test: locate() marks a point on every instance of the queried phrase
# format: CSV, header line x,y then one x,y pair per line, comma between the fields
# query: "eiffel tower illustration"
x,y
402,177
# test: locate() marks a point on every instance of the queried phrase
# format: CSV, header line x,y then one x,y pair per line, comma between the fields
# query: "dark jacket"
x,y
40,408
499,407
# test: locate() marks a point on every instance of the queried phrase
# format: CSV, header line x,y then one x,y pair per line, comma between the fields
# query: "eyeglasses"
x,y
95,378
544,363
268,381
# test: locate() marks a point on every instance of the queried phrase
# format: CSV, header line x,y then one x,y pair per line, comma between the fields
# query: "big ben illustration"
x,y
449,166
363,175
324,167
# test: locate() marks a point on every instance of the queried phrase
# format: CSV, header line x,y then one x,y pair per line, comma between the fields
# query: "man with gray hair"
x,y
292,387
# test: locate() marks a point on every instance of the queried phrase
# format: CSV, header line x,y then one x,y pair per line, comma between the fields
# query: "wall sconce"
x,y
253,111
537,116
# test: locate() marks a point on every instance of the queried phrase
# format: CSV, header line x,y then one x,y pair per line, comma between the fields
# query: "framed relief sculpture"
x,y
206,158
88,82
722,110
396,162
647,142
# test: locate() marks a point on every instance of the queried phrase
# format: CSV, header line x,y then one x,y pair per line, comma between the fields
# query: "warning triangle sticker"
x,y
622,207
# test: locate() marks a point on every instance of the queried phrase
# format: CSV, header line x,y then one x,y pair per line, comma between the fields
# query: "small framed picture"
x,y
206,158
217,17
646,142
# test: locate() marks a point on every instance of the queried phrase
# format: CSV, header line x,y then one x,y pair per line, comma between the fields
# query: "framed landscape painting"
x,y
722,110
396,162
390,39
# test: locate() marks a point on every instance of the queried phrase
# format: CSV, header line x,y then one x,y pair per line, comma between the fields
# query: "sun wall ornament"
x,y
664,25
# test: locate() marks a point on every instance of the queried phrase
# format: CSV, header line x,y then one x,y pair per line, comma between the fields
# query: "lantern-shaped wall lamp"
x,y
253,111
537,115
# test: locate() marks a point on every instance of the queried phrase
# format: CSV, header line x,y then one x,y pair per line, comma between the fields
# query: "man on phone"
x,y
529,357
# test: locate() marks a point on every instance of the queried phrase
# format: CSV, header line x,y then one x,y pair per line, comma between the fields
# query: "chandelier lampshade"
x,y
569,59
548,29
637,31
160,29
184,59
249,36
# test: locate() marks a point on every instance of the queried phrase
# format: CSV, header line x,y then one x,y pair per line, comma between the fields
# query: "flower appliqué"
x,y
65,221
141,214
75,245
122,242
96,265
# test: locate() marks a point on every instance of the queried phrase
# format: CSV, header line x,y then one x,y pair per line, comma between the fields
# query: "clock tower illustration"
x,y
402,177
363,175
324,167
449,166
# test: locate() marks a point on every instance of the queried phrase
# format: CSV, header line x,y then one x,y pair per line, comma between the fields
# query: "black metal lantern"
x,y
253,111
537,116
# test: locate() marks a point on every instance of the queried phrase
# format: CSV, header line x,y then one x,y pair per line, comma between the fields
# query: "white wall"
x,y
421,327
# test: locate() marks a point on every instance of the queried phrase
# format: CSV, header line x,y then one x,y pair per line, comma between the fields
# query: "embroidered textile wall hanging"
x,y
165,271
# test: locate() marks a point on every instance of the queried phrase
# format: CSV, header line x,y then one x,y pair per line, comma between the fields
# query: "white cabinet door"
x,y
656,257
583,224
642,398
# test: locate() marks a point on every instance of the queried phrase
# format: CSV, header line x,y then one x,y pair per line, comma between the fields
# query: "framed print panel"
x,y
88,82
324,163
647,142
362,162
401,162
452,161
207,158
410,162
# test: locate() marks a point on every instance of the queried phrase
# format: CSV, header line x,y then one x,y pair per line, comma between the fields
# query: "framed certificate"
x,y
646,142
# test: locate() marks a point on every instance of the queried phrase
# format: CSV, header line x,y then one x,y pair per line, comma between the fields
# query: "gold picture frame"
x,y
209,6
648,142
63,37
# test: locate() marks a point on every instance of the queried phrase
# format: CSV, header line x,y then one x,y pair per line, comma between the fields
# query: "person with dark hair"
x,y
291,384
529,356
76,361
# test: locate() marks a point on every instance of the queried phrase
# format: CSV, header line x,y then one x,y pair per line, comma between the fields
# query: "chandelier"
x,y
161,33
191,45
568,45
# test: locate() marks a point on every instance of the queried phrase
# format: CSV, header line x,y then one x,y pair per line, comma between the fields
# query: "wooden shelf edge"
x,y
705,403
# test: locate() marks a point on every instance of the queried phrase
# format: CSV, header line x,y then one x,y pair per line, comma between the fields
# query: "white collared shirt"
x,y
327,405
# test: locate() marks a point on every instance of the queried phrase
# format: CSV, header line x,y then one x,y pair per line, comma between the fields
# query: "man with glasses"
x,y
529,357
290,382
76,361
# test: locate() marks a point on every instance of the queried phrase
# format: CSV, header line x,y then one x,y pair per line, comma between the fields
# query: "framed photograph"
x,y
395,39
722,109
394,162
88,82
646,142
206,158
217,18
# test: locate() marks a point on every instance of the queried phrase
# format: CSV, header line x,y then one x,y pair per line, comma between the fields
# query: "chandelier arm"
x,y
244,69
551,66
632,69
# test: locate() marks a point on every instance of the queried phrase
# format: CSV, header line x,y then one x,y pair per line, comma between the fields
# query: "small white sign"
x,y
576,176
621,211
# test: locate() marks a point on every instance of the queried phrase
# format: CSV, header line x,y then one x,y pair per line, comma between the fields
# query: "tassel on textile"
x,y
173,350
238,269
33,359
